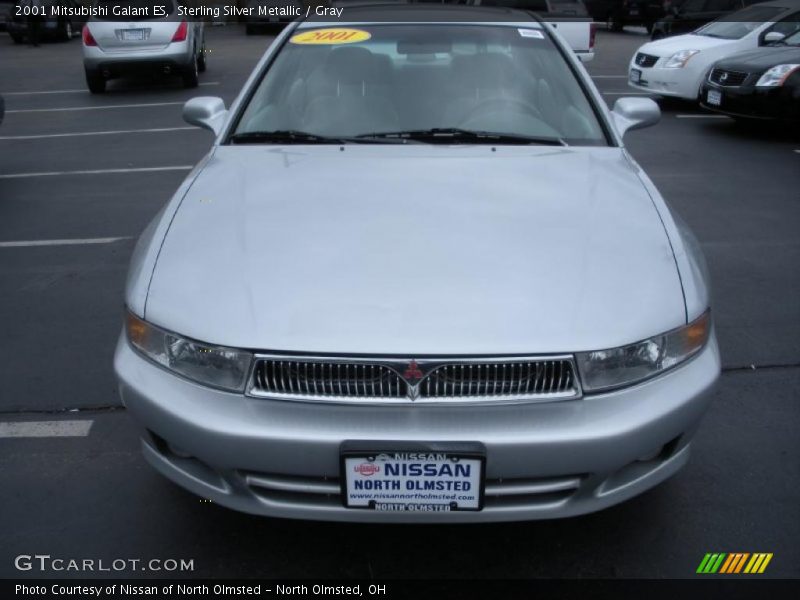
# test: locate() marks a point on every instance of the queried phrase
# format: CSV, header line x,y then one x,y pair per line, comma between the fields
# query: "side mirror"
x,y
207,112
584,57
773,36
635,113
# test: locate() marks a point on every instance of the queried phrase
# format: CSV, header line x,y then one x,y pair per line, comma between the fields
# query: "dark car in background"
x,y
619,13
62,28
6,10
757,84
691,14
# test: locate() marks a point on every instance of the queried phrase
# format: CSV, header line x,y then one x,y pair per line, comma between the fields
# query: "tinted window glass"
x,y
739,24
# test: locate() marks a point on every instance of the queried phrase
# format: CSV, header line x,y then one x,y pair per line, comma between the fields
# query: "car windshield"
x,y
134,10
429,83
737,25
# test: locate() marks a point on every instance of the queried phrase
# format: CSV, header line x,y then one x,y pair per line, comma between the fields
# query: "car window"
x,y
721,5
737,25
418,77
793,40
693,6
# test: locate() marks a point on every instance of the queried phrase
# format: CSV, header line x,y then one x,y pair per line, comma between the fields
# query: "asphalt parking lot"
x,y
82,175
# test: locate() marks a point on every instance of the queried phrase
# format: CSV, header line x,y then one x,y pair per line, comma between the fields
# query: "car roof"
x,y
430,13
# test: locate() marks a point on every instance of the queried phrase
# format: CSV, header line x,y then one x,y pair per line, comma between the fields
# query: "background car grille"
x,y
727,78
437,380
645,60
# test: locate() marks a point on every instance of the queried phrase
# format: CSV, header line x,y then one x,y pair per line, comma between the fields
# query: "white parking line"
x,y
100,107
702,117
39,429
609,76
80,91
73,242
96,172
628,93
85,133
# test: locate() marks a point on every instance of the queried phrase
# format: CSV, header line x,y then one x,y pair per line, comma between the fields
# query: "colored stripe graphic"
x,y
734,563
711,563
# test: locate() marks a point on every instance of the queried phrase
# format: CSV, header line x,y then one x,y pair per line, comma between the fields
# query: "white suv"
x,y
157,39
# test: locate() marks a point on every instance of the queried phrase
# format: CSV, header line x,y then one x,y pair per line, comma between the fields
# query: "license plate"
x,y
635,75
420,480
714,97
133,35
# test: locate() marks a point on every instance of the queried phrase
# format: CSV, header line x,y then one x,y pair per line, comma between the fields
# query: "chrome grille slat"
x,y
443,380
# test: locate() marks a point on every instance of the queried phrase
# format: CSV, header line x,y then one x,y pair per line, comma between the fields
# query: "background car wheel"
x,y
65,31
250,29
613,22
96,82
201,60
17,39
649,27
191,78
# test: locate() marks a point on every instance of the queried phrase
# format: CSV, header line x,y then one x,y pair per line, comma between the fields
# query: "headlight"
x,y
775,76
679,59
216,366
605,369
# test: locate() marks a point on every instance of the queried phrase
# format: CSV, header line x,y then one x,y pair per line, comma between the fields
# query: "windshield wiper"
x,y
293,136
450,135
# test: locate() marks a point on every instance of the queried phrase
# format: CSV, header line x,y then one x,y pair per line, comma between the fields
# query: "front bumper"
x,y
174,57
749,101
281,458
675,83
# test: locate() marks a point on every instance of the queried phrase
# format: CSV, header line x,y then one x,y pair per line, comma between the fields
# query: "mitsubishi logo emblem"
x,y
413,373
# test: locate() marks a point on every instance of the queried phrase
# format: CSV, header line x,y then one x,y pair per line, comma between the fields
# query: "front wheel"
x,y
96,82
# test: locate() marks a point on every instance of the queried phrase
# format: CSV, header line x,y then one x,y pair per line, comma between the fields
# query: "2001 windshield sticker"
x,y
338,35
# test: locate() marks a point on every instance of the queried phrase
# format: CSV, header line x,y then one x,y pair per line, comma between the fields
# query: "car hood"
x,y
761,59
668,46
459,250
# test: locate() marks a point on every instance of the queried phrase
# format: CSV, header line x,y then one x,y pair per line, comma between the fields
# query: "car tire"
x,y
649,27
96,82
16,38
201,60
250,29
65,32
191,76
613,22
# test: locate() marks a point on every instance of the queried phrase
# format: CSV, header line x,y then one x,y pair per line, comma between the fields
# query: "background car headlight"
x,y
679,59
216,366
605,369
775,76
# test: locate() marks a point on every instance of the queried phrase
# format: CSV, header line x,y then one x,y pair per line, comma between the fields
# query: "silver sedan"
x,y
141,36
418,278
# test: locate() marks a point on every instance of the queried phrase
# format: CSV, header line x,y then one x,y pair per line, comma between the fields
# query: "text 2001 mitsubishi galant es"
x,y
418,278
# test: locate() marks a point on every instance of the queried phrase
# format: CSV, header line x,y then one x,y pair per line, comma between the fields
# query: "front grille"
x,y
645,60
727,78
499,379
410,380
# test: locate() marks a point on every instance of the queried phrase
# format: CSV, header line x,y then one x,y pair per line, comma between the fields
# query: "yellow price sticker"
x,y
338,35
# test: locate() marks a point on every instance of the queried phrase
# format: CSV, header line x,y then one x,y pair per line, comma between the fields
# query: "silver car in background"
x,y
156,41
418,278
